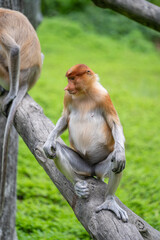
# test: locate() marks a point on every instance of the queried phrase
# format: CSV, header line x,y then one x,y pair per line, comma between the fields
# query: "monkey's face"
x,y
80,77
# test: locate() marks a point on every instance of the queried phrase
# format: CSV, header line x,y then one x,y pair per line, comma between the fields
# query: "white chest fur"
x,y
87,134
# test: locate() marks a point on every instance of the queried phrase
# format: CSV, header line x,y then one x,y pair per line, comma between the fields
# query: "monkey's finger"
x,y
53,149
121,168
115,166
115,169
86,190
49,153
124,164
83,194
124,216
81,187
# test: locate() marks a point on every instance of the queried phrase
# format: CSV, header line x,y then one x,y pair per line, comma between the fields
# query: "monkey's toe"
x,y
81,189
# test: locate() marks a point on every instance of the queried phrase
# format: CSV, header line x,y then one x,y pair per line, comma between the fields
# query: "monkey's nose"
x,y
66,88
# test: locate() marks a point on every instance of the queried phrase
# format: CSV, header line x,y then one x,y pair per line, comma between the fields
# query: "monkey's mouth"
x,y
72,92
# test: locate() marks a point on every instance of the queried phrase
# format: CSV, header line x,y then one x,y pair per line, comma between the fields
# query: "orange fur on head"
x,y
80,77
78,70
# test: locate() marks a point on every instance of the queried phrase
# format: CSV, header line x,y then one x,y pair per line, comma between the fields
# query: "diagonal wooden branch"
x,y
139,10
34,127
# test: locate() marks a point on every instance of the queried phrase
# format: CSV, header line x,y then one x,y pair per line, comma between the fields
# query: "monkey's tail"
x,y
14,105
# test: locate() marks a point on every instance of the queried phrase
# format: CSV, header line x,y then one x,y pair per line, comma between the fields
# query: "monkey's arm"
x,y
50,145
118,155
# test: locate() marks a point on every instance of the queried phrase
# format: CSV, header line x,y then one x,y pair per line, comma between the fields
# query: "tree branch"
x,y
34,127
140,11
8,216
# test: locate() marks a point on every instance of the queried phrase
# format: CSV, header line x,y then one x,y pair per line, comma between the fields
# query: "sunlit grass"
x,y
131,75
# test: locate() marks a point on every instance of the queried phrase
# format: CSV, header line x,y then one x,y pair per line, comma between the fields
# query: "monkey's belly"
x,y
89,138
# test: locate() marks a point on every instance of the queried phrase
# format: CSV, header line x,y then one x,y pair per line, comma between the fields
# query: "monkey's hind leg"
x,y
114,180
12,52
74,168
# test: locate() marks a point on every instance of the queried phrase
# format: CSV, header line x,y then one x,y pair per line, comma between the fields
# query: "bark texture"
x,y
7,221
34,127
30,8
139,10
11,4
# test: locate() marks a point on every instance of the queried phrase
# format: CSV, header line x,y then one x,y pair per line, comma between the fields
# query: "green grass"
x,y
130,71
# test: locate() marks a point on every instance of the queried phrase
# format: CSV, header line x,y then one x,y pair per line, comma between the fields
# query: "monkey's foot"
x,y
81,189
110,204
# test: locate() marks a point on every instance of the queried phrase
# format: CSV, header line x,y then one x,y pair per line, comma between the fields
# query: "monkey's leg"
x,y
74,168
114,180
13,54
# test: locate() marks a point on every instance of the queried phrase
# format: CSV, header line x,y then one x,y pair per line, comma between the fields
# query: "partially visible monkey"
x,y
95,133
20,67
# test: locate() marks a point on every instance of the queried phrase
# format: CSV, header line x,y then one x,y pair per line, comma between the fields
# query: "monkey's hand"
x,y
50,148
118,160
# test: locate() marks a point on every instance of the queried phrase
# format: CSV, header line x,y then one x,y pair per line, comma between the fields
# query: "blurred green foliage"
x,y
103,21
129,70
156,2
54,7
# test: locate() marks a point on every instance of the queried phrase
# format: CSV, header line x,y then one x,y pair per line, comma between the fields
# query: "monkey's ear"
x,y
88,72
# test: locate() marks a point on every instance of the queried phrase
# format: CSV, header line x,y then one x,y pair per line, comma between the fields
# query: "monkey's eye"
x,y
71,78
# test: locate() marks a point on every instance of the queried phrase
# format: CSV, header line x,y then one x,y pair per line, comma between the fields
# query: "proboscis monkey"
x,y
96,137
20,66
